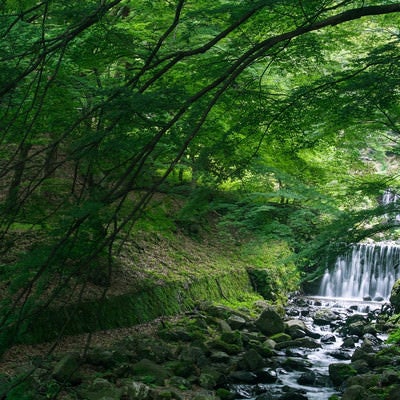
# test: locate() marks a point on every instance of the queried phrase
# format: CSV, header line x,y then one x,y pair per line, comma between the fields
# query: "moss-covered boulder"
x,y
270,322
339,372
101,388
150,372
355,392
66,370
395,296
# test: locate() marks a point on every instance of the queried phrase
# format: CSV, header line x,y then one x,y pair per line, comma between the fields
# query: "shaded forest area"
x,y
240,123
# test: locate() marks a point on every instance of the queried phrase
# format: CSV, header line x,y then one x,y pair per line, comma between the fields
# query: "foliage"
x,y
280,118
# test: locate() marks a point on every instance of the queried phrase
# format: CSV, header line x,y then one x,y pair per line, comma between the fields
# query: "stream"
x,y
303,373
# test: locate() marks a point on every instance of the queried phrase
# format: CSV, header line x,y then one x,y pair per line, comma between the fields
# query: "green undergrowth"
x,y
165,267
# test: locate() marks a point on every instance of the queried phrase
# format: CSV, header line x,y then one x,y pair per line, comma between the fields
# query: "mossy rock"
x,y
281,337
339,372
183,369
225,394
209,378
367,380
234,337
66,370
395,296
227,347
149,372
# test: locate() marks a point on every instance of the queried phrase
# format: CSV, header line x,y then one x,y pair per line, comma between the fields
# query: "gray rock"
x,y
236,322
220,357
348,343
340,354
305,342
242,376
223,325
329,338
194,355
355,328
151,370
209,378
102,389
324,316
66,370
270,322
135,390
307,378
101,357
297,364
266,375
253,360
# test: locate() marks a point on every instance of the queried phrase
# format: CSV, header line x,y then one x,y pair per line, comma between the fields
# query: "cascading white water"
x,y
390,197
369,270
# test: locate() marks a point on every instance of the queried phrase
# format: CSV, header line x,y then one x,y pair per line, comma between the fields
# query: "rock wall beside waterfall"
x,y
395,296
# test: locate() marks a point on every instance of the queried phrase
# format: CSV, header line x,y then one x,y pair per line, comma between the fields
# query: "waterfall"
x,y
389,197
367,271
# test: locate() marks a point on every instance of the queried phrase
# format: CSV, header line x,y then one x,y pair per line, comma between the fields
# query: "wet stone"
x,y
340,355
266,375
329,338
307,378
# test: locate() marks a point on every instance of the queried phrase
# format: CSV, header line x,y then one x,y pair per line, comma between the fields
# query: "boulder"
x,y
305,342
297,364
223,325
102,389
193,355
293,394
349,343
395,296
394,393
339,372
356,392
329,338
340,354
242,377
296,328
66,370
368,380
210,378
236,322
101,358
280,337
390,377
324,316
267,375
355,328
270,322
219,357
134,390
153,372
253,360
307,378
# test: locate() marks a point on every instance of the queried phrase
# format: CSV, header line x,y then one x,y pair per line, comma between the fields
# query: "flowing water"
x,y
367,272
304,360
359,283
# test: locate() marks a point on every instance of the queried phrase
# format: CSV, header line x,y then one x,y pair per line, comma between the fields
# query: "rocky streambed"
x,y
307,350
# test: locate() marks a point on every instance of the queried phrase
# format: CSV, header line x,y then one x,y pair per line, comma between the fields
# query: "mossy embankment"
x,y
167,275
